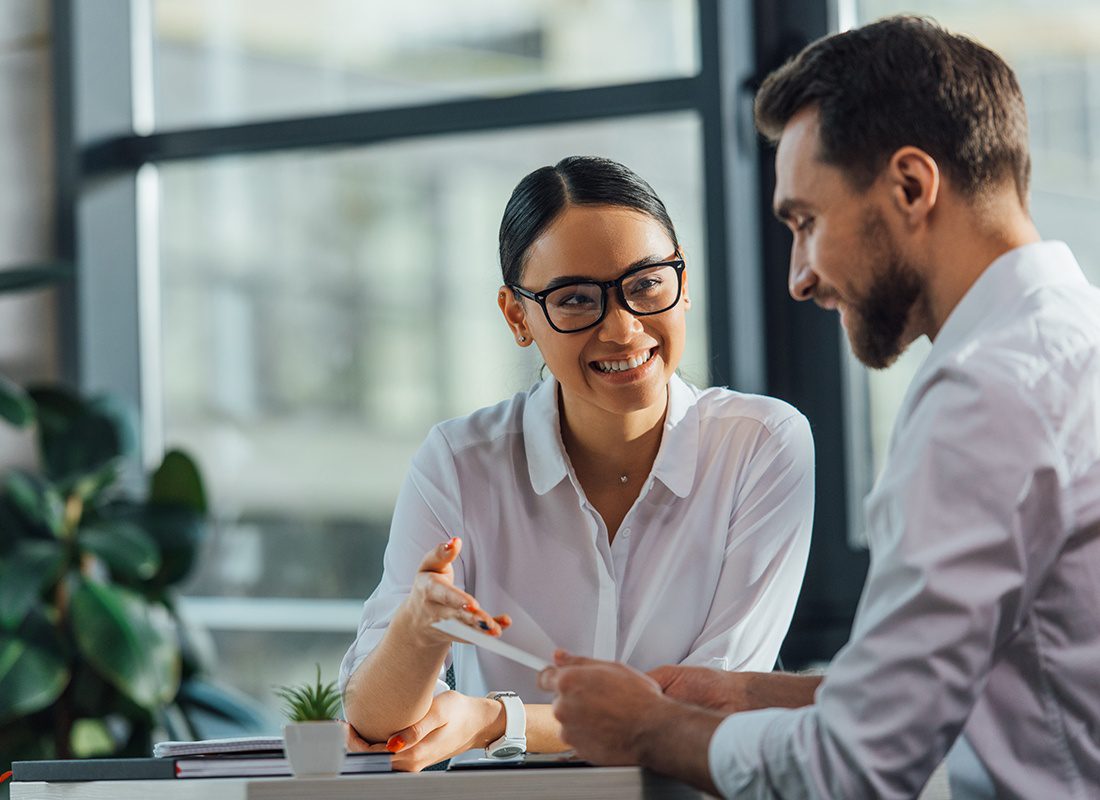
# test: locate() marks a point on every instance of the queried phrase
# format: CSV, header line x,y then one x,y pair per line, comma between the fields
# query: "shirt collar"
x,y
546,460
542,437
679,453
1004,281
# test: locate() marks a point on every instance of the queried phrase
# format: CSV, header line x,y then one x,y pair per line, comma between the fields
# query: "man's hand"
x,y
612,714
454,723
601,705
700,686
731,692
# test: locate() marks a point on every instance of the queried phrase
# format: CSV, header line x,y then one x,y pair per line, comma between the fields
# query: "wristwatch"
x,y
514,740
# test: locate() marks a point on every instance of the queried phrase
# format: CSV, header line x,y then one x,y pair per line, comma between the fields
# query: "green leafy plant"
x,y
311,702
93,656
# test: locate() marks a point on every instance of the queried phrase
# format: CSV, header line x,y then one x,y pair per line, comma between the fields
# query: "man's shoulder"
x,y
1044,349
1028,374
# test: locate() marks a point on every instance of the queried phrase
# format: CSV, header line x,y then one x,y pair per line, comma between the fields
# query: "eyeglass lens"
x,y
648,291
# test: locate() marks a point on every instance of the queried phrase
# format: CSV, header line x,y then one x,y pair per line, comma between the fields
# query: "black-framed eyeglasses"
x,y
579,305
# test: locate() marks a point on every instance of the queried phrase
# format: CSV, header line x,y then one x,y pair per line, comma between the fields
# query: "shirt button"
x,y
626,531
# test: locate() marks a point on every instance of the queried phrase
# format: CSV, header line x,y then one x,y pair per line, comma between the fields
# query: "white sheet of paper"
x,y
459,630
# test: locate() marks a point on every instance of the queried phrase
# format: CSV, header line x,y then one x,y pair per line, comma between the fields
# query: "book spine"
x,y
95,769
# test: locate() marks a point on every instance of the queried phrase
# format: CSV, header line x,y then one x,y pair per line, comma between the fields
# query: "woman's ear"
x,y
684,289
514,315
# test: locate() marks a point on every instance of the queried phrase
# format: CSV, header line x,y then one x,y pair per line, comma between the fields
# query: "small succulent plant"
x,y
311,702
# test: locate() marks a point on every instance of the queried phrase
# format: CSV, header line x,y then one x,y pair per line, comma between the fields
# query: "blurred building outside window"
x,y
322,309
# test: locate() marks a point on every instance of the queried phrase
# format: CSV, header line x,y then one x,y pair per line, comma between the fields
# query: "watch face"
x,y
507,752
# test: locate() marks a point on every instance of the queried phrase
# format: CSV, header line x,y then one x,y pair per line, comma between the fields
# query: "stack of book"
x,y
249,757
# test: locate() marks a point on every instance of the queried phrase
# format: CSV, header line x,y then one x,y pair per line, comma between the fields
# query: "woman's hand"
x,y
454,723
434,597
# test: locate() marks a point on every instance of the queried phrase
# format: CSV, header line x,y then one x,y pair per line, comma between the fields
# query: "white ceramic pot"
x,y
314,748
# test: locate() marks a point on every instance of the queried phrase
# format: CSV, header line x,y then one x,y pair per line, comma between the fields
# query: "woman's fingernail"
x,y
450,544
395,743
468,607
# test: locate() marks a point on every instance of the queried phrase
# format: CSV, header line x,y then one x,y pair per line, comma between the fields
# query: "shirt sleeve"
x,y
765,557
428,513
973,471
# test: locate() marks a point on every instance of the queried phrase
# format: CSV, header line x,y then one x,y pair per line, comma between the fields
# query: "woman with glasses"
x,y
612,510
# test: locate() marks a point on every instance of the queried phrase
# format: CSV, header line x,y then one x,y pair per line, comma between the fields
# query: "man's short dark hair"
x,y
906,81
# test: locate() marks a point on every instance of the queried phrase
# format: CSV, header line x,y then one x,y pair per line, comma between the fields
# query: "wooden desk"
x,y
553,783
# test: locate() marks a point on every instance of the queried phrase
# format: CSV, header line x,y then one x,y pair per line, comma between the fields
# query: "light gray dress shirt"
x,y
981,612
705,568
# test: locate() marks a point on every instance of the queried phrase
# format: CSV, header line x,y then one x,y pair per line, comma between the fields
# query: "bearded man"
x,y
902,171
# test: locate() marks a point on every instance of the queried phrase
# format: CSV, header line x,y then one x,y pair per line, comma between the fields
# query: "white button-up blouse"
x,y
705,568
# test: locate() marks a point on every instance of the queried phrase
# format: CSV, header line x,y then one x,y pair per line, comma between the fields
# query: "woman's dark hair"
x,y
905,81
578,180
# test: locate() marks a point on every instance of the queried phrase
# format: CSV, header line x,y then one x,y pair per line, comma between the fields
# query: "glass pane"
x,y
322,310
1055,51
219,61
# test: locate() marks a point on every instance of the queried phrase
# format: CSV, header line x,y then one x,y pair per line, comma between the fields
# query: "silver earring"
x,y
523,338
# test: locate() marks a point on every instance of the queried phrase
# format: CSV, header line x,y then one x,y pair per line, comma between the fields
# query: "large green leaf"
x,y
37,500
15,527
129,552
16,405
20,279
177,482
24,574
31,677
80,437
177,531
128,641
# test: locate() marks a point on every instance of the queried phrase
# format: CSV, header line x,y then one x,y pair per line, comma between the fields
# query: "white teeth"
x,y
620,366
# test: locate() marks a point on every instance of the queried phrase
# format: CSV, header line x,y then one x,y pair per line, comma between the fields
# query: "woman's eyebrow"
x,y
561,280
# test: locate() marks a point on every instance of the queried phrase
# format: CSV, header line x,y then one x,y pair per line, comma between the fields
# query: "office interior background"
x,y
283,219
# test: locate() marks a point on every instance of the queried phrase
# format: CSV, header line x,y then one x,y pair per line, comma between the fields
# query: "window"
x,y
296,210
321,311
217,62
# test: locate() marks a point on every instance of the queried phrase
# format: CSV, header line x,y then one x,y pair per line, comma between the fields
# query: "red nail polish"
x,y
467,607
395,743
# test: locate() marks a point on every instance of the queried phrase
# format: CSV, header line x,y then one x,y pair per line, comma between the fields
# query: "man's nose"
x,y
801,280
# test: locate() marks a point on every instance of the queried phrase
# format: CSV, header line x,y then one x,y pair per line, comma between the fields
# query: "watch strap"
x,y
514,740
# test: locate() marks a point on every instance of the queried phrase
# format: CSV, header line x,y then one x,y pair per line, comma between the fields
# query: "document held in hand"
x,y
452,627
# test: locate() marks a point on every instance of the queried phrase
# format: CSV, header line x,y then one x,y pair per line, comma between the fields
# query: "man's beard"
x,y
876,321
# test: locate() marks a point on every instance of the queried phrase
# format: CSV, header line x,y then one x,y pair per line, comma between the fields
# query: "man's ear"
x,y
914,183
514,315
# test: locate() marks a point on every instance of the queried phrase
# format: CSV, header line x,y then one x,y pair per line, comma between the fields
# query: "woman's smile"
x,y
626,368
